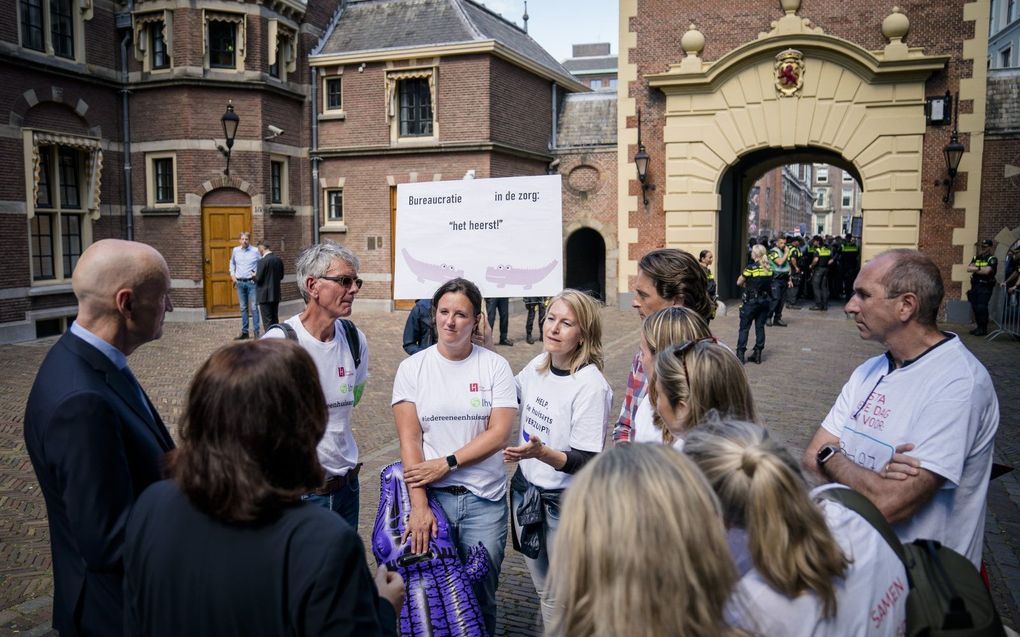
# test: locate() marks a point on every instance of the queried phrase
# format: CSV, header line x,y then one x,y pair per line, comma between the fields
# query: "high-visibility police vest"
x,y
824,254
984,279
757,281
779,270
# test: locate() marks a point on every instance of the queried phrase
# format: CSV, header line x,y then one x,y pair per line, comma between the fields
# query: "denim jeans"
x,y
473,520
539,567
345,501
246,297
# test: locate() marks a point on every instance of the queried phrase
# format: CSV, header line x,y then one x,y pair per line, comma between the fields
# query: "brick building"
x,y
87,85
593,65
780,202
728,87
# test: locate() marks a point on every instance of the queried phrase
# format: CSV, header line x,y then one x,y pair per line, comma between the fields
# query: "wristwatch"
x,y
826,453
451,461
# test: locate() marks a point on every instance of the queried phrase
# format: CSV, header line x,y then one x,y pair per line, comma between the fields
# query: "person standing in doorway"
x,y
503,305
268,275
535,304
243,262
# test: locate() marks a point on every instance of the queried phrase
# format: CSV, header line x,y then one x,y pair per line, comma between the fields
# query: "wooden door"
x,y
403,304
221,226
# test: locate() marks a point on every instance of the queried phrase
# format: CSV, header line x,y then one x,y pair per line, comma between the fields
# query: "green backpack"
x,y
948,597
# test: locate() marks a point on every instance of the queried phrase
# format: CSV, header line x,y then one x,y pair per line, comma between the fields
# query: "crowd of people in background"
x,y
693,522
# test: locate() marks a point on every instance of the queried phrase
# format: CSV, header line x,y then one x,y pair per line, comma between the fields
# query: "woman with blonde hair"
x,y
756,279
658,332
693,378
565,403
645,561
808,565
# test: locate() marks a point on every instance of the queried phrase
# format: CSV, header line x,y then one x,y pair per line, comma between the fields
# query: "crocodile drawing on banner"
x,y
504,275
440,600
430,271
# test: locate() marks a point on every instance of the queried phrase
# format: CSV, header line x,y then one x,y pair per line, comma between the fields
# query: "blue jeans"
x,y
345,501
246,297
473,520
539,567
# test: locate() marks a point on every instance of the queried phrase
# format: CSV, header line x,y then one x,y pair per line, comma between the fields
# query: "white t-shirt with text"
x,y
337,451
564,412
871,600
944,403
453,400
644,426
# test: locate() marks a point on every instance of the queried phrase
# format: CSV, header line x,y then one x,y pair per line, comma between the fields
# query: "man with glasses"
x,y
327,276
927,396
244,261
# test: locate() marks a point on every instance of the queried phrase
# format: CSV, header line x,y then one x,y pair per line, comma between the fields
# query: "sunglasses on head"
x,y
680,351
344,281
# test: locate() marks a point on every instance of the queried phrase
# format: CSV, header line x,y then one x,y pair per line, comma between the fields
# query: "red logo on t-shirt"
x,y
341,372
473,387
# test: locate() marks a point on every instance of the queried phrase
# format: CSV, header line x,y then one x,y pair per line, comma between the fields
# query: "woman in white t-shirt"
x,y
565,402
659,331
454,405
809,566
693,378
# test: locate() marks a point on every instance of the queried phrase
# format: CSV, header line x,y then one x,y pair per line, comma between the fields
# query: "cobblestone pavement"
x,y
804,369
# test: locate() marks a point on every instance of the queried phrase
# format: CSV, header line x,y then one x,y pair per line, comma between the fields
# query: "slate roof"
x,y
595,63
587,119
374,25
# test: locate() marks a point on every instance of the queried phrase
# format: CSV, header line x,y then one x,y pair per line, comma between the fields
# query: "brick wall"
x,y
937,27
521,107
1000,196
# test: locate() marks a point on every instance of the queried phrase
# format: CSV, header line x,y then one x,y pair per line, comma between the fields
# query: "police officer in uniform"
x,y
820,274
793,292
851,262
756,279
779,261
705,258
982,282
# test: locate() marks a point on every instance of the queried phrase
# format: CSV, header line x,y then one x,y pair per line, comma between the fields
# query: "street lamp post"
x,y
953,153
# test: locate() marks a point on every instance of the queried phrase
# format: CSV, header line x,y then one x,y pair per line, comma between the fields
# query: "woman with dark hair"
x,y
454,405
227,547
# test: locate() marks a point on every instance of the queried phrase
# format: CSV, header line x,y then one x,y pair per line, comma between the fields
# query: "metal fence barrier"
x,y
1005,312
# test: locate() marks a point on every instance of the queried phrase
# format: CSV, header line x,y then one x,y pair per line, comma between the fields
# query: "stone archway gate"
x,y
867,106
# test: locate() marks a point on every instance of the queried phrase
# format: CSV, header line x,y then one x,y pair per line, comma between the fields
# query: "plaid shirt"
x,y
636,385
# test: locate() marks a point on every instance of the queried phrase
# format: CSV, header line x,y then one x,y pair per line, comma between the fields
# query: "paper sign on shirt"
x,y
505,235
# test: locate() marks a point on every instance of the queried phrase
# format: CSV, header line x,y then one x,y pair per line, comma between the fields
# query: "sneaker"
x,y
530,340
506,341
768,323
241,337
779,323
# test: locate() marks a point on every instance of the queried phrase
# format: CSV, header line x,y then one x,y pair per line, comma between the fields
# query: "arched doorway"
x,y
226,213
586,263
734,189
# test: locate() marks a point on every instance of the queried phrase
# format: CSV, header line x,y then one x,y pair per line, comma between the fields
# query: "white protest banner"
x,y
505,235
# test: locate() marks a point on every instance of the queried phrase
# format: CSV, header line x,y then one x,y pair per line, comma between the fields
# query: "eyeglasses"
x,y
680,351
344,281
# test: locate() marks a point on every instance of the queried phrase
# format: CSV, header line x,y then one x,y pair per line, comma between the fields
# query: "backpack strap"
x,y
863,507
289,331
353,340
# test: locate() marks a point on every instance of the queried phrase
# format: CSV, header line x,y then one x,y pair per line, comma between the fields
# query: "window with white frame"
x,y
161,180
278,180
333,212
332,94
59,227
612,83
848,198
282,58
822,174
1005,57
596,85
820,197
54,27
847,177
225,39
154,40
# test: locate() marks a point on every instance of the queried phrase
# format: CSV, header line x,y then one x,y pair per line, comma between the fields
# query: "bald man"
x,y
95,440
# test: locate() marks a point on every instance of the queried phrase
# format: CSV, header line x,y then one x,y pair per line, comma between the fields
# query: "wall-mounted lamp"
x,y
954,153
230,120
641,161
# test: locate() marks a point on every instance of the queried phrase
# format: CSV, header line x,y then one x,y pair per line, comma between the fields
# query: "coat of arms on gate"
x,y
789,72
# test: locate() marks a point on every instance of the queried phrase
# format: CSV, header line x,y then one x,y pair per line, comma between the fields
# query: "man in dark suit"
x,y
268,275
95,440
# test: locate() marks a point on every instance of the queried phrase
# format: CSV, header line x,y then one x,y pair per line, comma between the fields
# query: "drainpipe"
x,y
126,134
314,154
